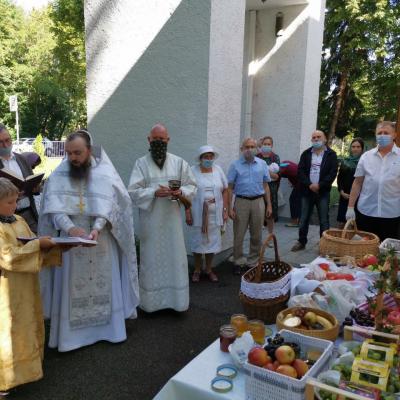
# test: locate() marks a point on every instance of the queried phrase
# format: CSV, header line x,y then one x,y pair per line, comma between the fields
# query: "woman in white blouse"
x,y
209,211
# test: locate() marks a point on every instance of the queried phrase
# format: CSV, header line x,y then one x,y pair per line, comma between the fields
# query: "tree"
x,y
360,67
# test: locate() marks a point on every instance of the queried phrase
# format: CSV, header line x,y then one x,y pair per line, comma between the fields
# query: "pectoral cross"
x,y
81,204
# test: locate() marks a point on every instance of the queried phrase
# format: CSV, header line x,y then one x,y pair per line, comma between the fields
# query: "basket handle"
x,y
262,251
346,227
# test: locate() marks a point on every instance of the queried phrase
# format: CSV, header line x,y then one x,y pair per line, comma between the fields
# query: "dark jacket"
x,y
345,178
329,166
26,171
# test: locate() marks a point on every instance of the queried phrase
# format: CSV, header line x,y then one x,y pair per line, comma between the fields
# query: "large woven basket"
x,y
338,242
327,334
265,289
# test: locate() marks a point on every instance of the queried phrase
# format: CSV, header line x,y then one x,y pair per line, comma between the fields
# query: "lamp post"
x,y
13,100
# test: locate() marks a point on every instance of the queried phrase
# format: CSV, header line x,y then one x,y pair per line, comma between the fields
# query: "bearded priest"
x,y
163,277
89,298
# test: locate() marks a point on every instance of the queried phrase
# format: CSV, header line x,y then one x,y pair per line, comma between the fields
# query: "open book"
x,y
73,241
23,184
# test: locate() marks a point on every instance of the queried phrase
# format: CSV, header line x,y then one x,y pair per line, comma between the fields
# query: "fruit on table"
x,y
258,356
287,370
331,276
369,259
361,317
324,266
285,354
310,318
324,322
394,317
300,366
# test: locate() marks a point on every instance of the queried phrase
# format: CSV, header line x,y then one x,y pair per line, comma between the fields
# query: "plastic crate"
x,y
263,384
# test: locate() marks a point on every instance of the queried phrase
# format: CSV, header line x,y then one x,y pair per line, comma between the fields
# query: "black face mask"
x,y
158,150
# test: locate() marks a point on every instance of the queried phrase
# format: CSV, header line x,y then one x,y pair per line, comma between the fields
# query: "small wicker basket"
x,y
327,334
338,242
265,289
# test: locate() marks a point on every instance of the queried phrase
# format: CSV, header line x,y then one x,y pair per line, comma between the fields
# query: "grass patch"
x,y
48,165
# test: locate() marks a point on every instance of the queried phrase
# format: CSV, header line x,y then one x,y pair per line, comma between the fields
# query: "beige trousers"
x,y
249,214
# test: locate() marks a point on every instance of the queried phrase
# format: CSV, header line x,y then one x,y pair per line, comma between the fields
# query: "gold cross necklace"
x,y
81,204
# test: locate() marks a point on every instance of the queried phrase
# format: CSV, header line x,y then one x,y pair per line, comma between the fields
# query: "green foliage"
x,y
361,66
42,60
38,147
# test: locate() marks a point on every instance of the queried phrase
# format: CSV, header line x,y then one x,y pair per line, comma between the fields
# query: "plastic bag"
x,y
342,297
312,300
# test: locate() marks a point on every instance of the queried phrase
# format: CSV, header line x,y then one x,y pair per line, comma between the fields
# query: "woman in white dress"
x,y
208,213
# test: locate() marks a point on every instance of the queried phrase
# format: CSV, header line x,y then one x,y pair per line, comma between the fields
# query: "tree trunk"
x,y
340,98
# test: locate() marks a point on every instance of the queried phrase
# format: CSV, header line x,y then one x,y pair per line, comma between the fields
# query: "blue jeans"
x,y
321,201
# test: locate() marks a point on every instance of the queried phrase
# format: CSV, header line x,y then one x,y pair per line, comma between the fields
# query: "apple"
x,y
287,370
258,356
394,317
310,318
276,364
270,366
285,354
369,259
300,366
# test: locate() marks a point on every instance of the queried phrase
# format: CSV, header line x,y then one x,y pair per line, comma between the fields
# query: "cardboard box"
x,y
370,373
378,351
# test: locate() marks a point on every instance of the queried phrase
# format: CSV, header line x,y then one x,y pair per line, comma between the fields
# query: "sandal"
x,y
196,276
212,277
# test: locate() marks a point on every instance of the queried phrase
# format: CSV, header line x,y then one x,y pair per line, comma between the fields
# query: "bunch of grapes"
x,y
362,318
300,312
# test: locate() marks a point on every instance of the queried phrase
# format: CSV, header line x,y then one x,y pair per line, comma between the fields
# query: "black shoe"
x,y
298,246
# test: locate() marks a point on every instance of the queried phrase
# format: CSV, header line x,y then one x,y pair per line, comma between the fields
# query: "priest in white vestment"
x,y
96,289
163,272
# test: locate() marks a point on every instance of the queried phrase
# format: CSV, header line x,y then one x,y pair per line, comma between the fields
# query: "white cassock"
x,y
96,289
163,273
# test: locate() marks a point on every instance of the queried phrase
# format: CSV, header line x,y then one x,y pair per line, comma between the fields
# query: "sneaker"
x,y
298,246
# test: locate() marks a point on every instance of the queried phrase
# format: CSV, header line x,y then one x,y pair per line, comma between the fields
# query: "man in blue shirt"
x,y
248,179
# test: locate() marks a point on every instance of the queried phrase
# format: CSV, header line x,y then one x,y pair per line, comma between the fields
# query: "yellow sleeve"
x,y
52,257
20,258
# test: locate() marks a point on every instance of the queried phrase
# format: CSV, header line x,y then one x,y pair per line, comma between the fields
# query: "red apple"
x,y
276,364
300,366
287,370
394,317
258,356
269,366
369,259
285,354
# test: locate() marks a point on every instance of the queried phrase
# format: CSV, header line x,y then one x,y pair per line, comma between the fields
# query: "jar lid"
x,y
221,385
227,371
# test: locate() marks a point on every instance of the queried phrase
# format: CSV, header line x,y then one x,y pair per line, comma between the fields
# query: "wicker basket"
x,y
265,289
327,334
338,242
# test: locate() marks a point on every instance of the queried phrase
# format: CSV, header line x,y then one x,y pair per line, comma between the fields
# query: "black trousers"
x,y
382,227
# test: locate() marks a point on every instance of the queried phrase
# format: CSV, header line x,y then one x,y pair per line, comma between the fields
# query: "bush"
x,y
39,149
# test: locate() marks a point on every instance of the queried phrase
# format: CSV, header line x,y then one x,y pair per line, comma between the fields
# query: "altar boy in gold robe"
x,y
21,319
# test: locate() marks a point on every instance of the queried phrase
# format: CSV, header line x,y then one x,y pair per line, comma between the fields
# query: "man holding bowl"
x,y
154,188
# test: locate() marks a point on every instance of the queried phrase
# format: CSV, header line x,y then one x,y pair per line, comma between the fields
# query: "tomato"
x,y
331,276
324,266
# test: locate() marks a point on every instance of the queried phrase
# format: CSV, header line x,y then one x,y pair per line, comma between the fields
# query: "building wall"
x,y
148,62
286,79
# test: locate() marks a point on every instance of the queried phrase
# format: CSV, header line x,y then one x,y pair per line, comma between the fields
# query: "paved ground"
x,y
158,344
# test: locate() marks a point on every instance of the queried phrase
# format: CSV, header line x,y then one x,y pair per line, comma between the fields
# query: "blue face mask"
x,y
5,151
207,163
317,145
266,149
384,140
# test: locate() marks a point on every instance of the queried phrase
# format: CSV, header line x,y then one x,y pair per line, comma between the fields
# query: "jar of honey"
x,y
239,321
257,330
227,335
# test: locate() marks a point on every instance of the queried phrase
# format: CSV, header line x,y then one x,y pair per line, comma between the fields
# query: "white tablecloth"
x,y
193,382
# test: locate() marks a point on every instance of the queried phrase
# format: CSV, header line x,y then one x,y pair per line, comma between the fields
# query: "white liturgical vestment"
x,y
163,273
96,289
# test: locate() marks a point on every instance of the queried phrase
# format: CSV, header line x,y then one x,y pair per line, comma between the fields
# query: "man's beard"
x,y
79,171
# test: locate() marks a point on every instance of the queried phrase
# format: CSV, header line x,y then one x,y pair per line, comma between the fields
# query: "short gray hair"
x,y
386,123
245,140
7,188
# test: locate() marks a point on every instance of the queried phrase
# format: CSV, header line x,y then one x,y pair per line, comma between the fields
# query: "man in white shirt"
x,y
16,163
377,186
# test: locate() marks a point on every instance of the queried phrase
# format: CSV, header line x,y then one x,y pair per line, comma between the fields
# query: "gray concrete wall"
x,y
147,61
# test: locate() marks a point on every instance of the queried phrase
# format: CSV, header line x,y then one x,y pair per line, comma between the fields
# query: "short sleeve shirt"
x,y
380,192
248,177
